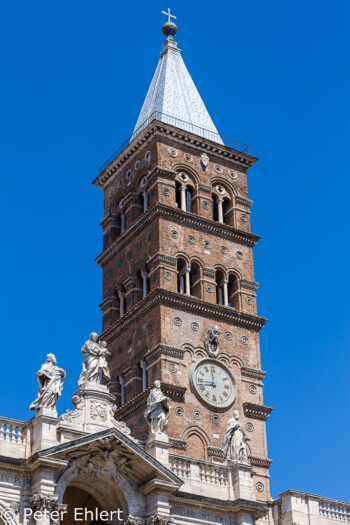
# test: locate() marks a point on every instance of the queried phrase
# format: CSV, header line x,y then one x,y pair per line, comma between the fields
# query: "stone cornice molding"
x,y
249,285
205,187
196,501
252,372
178,444
253,411
157,128
243,201
165,173
185,302
121,439
209,272
260,462
162,258
162,349
173,391
184,219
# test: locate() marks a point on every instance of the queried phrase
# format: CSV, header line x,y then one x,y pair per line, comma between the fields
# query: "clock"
x,y
213,383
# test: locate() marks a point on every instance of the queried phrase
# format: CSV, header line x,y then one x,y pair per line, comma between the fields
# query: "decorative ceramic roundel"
x,y
213,383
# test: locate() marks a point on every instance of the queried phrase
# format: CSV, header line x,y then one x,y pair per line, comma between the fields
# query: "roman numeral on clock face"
x,y
202,388
207,395
214,398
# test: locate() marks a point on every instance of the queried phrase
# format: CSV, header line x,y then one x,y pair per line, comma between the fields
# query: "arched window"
x,y
222,205
183,277
220,287
195,283
233,292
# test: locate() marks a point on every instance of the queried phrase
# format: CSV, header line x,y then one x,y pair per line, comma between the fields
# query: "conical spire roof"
x,y
172,96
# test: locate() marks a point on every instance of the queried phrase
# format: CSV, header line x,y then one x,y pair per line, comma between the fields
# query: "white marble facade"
x,y
85,459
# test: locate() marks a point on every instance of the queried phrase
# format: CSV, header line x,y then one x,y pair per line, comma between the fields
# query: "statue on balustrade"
x,y
95,366
158,410
50,380
234,443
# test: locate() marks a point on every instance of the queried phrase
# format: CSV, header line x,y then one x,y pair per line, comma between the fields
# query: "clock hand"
x,y
213,378
203,382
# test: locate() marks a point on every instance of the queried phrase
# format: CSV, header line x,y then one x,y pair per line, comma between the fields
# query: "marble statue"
x,y
212,340
158,410
234,442
50,380
95,366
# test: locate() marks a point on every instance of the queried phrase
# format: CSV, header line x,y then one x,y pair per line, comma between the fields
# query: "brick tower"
x,y
179,295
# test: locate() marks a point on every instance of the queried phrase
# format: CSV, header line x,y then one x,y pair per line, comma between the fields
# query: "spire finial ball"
x,y
169,29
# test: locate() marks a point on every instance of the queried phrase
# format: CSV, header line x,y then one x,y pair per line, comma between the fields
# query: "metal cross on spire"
x,y
170,16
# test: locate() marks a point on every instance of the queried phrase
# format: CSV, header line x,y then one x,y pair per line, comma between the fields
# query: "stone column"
x,y
182,283
122,391
143,366
122,303
183,198
225,289
188,282
220,211
144,283
123,222
145,200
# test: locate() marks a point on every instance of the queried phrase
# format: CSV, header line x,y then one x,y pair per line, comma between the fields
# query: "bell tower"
x,y
179,294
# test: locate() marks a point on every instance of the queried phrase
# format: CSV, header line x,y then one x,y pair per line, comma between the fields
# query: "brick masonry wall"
x,y
139,332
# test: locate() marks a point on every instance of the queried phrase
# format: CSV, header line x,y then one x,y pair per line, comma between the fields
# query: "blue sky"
x,y
274,75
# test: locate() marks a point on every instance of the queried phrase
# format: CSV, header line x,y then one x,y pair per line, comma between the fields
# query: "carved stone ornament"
x,y
69,415
50,380
41,501
95,366
104,457
130,520
205,161
157,519
98,411
212,341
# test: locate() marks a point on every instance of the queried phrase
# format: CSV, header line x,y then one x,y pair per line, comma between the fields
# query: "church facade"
x,y
169,421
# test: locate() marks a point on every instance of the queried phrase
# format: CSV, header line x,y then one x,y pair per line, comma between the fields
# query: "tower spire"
x,y
172,96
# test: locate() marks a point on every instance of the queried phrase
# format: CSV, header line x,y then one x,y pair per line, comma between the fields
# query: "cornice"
x,y
260,462
178,444
249,285
257,411
164,350
243,201
252,372
185,219
183,302
175,392
157,128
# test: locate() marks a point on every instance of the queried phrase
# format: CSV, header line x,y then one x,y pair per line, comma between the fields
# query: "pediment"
x,y
115,453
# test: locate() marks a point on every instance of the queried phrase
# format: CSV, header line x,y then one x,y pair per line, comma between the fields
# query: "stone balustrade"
x,y
13,437
202,471
334,510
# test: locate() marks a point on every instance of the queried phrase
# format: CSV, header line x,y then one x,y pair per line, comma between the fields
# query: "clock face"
x,y
213,383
